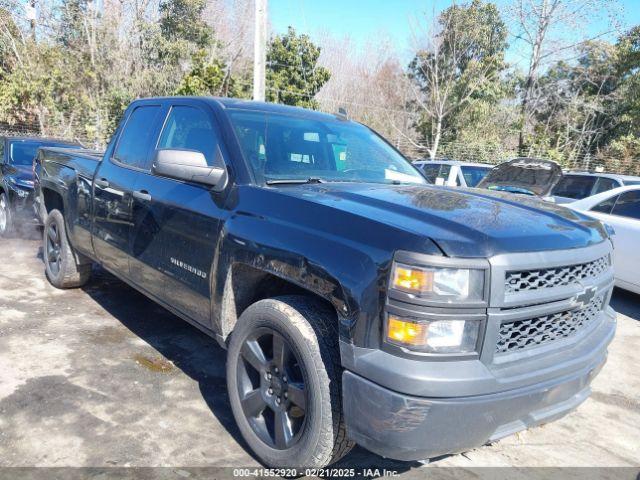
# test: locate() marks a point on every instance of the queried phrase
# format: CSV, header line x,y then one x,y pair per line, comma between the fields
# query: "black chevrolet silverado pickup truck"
x,y
358,304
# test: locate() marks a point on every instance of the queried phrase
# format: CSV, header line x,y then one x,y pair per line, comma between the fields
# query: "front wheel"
x,y
61,264
284,381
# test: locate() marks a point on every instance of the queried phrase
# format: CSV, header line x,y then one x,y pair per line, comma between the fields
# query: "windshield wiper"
x,y
297,181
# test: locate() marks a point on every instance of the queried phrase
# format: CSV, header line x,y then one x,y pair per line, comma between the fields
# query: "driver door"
x,y
179,222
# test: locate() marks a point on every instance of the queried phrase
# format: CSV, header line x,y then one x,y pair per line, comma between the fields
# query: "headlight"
x,y
439,283
433,336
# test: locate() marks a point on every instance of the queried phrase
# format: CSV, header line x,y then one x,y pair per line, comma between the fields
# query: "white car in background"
x,y
619,208
578,185
453,173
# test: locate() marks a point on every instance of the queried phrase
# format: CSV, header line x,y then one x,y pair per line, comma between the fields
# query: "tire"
x,y
314,431
6,217
61,262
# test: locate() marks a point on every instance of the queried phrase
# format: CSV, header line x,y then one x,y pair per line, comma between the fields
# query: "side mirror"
x,y
188,165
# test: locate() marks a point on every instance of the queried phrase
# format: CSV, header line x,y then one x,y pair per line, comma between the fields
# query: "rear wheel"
x,y
284,376
6,216
61,263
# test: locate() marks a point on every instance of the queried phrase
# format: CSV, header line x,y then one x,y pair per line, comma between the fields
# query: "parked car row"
x,y
571,186
611,198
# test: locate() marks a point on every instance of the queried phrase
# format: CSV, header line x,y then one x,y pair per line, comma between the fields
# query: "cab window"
x,y
133,145
189,128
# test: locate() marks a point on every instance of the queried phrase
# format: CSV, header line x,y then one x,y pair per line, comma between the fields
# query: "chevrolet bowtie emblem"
x,y
585,297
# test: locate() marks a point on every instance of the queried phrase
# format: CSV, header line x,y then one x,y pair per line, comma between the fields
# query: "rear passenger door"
x,y
114,185
178,223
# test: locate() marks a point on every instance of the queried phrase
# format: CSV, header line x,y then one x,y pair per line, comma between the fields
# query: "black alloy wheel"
x,y
271,386
53,249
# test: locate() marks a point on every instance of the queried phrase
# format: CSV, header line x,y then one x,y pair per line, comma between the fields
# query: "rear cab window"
x,y
133,145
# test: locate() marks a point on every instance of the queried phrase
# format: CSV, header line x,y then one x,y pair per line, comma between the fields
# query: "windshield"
x,y
22,152
473,175
631,182
281,148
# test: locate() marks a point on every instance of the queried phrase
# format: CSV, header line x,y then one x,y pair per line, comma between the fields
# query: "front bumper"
x,y
406,427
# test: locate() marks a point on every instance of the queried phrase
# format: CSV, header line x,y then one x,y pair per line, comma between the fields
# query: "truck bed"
x,y
85,153
74,171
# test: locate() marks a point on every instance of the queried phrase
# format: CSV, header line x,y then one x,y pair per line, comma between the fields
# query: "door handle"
x,y
142,195
102,183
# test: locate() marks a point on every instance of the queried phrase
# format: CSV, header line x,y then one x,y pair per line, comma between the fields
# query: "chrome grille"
x,y
528,280
521,334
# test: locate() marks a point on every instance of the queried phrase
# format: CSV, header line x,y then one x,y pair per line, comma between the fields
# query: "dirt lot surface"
x,y
101,376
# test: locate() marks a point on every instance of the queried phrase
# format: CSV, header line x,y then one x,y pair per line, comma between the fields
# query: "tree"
x,y
542,26
293,76
370,83
181,21
461,63
209,77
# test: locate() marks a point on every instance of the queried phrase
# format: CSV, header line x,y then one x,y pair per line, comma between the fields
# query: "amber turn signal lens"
x,y
408,333
412,280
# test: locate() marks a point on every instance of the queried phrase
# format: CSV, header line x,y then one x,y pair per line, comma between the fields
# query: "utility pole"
x,y
32,17
259,50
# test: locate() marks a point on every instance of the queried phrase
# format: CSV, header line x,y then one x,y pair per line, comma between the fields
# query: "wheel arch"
x,y
52,199
247,284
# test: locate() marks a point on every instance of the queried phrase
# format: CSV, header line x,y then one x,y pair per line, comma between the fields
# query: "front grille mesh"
x,y
522,334
528,280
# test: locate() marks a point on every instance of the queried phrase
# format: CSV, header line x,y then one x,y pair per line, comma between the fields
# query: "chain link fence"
x,y
490,153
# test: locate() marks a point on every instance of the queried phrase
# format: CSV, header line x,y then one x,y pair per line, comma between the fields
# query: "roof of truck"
x,y
36,138
251,105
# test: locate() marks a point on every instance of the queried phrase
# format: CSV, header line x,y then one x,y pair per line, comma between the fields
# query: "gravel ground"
x,y
103,377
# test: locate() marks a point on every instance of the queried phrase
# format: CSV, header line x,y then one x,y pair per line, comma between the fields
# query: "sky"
x,y
395,20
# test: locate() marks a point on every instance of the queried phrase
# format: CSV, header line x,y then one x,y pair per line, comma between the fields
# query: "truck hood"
x,y
524,176
463,223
